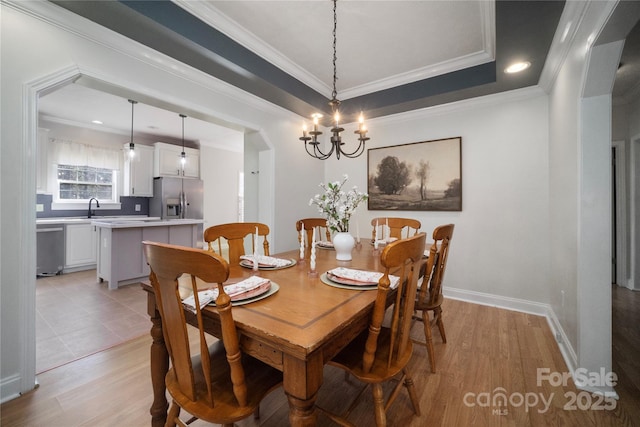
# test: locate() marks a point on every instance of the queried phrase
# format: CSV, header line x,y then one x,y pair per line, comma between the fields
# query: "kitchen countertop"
x,y
85,220
148,222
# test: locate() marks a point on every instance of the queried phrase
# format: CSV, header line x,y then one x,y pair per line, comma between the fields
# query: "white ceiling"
x,y
78,105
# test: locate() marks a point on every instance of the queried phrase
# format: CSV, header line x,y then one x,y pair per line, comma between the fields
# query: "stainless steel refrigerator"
x,y
177,198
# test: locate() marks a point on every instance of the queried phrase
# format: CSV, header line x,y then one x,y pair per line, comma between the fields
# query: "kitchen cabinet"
x,y
167,161
138,172
80,247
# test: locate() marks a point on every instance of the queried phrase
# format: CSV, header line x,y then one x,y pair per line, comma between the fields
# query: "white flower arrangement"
x,y
337,205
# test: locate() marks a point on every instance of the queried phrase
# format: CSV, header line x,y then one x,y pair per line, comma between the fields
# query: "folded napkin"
x,y
325,244
360,277
247,288
267,261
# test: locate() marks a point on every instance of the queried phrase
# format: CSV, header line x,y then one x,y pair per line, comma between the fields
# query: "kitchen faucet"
x,y
97,206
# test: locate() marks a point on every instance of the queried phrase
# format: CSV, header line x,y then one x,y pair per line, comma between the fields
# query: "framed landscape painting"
x,y
421,176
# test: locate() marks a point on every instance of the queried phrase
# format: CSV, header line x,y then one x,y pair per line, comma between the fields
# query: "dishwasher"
x,y
50,249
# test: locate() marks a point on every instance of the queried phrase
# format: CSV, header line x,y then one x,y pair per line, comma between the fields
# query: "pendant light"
x,y
132,146
183,155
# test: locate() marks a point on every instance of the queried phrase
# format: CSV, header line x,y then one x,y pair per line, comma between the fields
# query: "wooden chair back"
x,y
167,263
401,258
396,227
235,233
309,225
430,294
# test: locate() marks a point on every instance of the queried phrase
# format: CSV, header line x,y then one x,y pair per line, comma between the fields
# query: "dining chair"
x,y
396,227
309,225
235,233
430,293
220,384
381,353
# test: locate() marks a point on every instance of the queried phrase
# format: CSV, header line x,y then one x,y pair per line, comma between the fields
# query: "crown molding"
x,y
212,16
463,105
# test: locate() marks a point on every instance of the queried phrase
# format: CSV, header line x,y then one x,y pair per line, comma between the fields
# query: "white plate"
x,y
272,290
248,264
330,282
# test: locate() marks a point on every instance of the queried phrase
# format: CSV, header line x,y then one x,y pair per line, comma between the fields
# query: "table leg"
x,y
159,368
302,380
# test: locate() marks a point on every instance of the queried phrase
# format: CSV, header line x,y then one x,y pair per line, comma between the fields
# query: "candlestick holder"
x,y
312,272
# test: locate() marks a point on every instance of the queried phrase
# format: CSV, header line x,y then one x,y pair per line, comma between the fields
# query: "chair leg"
x,y
174,413
378,405
429,340
408,382
438,313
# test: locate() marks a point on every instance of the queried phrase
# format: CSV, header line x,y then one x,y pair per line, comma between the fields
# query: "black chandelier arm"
x,y
357,152
317,153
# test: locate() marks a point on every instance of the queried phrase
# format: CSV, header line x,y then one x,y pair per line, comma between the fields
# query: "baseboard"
x,y
10,387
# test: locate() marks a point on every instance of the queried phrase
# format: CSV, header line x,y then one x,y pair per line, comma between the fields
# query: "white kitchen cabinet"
x,y
167,161
80,247
138,172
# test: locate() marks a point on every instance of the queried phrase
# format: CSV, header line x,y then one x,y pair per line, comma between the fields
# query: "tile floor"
x,y
77,316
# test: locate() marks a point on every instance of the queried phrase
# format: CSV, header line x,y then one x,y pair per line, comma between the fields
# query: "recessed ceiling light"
x,y
517,67
97,122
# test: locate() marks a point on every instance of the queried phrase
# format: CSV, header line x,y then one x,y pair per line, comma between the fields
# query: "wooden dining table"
x,y
297,330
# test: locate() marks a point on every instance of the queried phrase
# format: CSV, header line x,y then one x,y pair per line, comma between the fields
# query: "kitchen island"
x,y
120,260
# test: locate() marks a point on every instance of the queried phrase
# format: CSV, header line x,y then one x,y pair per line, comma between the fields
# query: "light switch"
x,y
39,207
137,208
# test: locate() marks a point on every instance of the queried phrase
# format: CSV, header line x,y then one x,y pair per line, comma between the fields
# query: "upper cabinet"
x,y
167,161
138,172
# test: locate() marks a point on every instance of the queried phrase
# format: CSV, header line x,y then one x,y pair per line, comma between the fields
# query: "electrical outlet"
x,y
39,207
137,208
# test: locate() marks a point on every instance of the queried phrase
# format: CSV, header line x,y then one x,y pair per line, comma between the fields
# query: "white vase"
x,y
343,243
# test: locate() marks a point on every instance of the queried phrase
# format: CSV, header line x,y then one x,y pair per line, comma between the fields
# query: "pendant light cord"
x,y
334,94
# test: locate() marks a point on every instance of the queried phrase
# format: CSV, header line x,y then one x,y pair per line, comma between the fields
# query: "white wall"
x,y
580,194
500,239
219,169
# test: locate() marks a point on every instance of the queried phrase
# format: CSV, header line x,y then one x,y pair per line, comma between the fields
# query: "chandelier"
x,y
310,138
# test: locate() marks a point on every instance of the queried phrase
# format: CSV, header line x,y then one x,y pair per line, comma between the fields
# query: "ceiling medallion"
x,y
310,138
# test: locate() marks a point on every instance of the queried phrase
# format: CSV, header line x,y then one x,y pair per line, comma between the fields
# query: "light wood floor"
x,y
487,348
76,316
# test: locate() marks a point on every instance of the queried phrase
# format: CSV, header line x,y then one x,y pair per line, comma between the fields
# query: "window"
x,y
81,183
